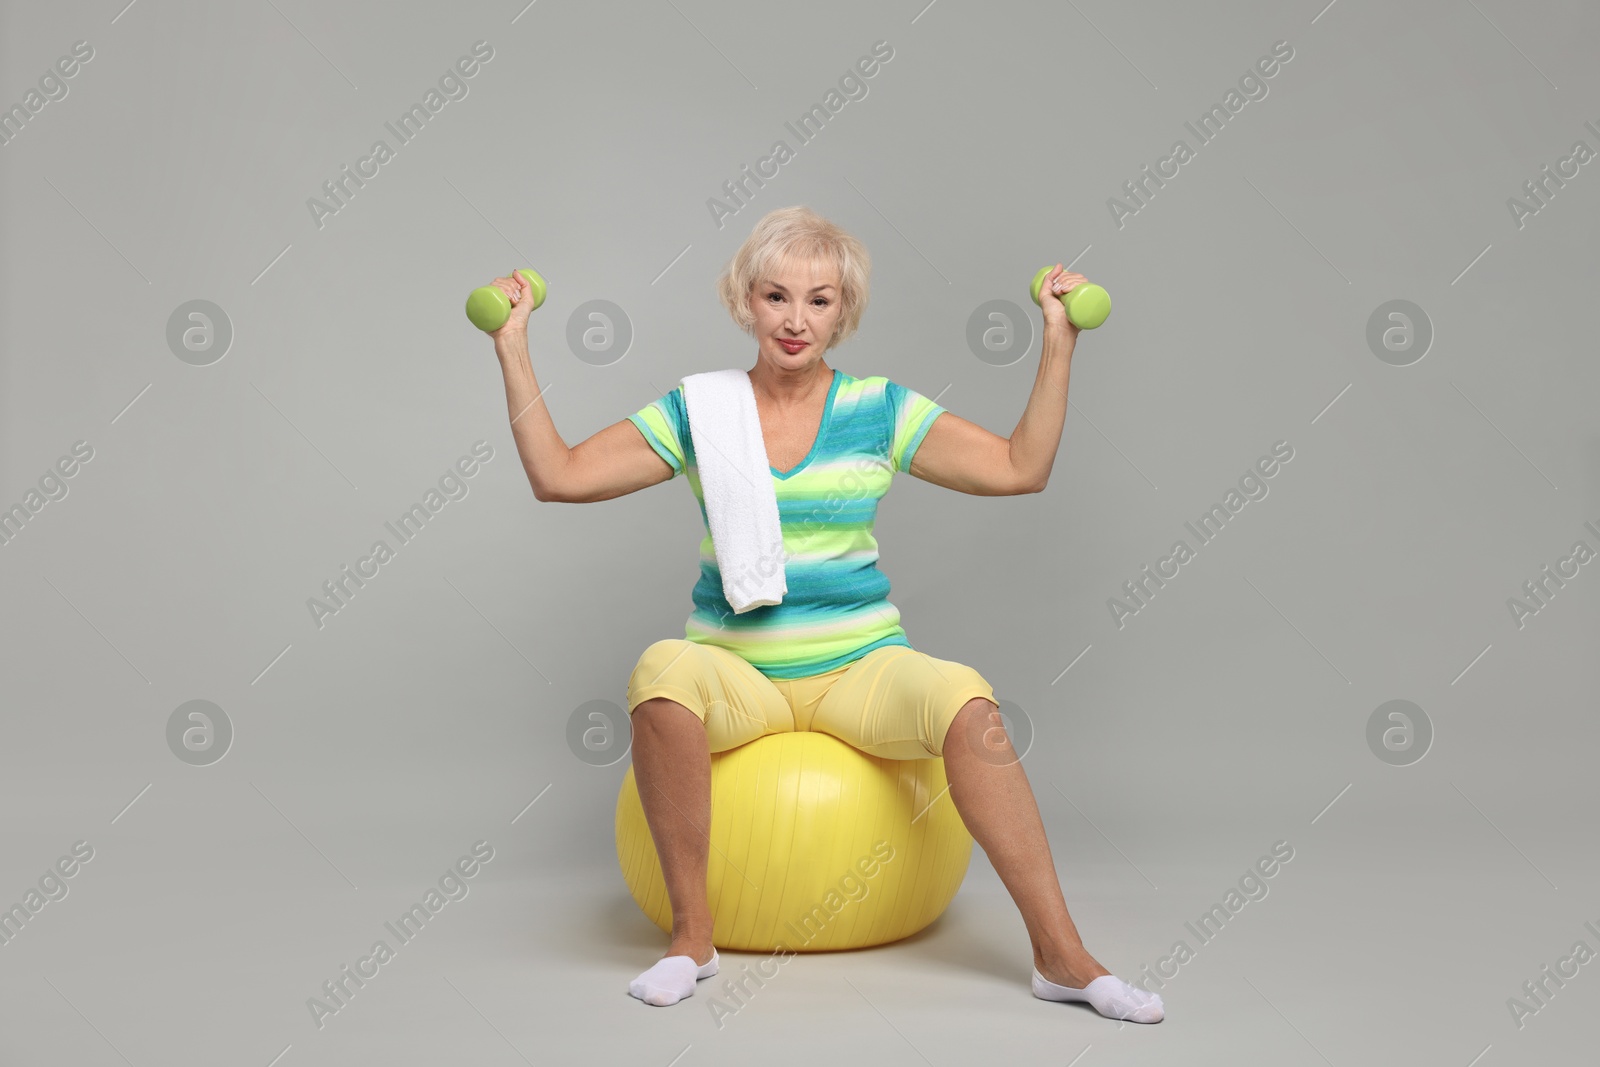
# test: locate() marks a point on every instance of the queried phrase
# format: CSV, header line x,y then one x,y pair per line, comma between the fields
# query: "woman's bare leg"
x,y
992,795
672,768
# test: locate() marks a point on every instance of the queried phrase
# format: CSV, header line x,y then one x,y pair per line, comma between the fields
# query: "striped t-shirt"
x,y
836,609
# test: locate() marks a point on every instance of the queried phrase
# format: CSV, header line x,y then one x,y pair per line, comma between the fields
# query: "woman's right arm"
x,y
614,462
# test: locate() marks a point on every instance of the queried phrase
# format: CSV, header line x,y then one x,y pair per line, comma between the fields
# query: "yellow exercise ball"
x,y
815,845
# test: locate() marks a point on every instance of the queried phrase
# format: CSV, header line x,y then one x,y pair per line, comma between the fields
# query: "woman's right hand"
x,y
521,294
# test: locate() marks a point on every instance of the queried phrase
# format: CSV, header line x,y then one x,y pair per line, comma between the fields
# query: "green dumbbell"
x,y
488,306
1087,304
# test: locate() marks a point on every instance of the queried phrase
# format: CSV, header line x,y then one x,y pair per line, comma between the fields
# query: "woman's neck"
x,y
793,389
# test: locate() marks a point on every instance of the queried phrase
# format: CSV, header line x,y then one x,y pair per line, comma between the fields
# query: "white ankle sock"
x,y
1108,995
671,979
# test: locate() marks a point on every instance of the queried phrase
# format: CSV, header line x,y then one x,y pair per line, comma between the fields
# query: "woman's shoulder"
x,y
881,389
873,393
875,384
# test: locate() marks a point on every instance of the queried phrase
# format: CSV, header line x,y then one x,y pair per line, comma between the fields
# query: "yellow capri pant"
x,y
894,702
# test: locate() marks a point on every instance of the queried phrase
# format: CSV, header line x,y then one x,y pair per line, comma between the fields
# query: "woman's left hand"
x,y
1055,283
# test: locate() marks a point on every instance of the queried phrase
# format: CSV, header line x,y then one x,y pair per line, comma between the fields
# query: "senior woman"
x,y
831,656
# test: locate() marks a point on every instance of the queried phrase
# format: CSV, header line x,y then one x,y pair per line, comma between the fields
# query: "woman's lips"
x,y
792,347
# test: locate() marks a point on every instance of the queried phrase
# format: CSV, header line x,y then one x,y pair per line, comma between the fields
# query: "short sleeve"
x,y
665,425
913,416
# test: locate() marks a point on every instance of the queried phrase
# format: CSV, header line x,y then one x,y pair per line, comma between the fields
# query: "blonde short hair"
x,y
801,233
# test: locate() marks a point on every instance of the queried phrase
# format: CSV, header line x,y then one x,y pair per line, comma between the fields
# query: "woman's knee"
x,y
978,728
661,663
658,712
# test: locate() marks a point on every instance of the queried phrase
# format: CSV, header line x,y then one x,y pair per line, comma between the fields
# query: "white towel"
x,y
736,480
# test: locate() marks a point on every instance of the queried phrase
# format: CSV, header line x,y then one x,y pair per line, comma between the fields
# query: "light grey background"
x,y
1230,713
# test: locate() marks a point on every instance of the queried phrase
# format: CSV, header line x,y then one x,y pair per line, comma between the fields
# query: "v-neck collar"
x,y
822,428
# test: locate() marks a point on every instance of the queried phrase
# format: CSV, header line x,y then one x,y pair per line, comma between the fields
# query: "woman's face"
x,y
798,303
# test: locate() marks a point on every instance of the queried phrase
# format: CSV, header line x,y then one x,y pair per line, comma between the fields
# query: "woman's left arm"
x,y
1038,434
962,455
